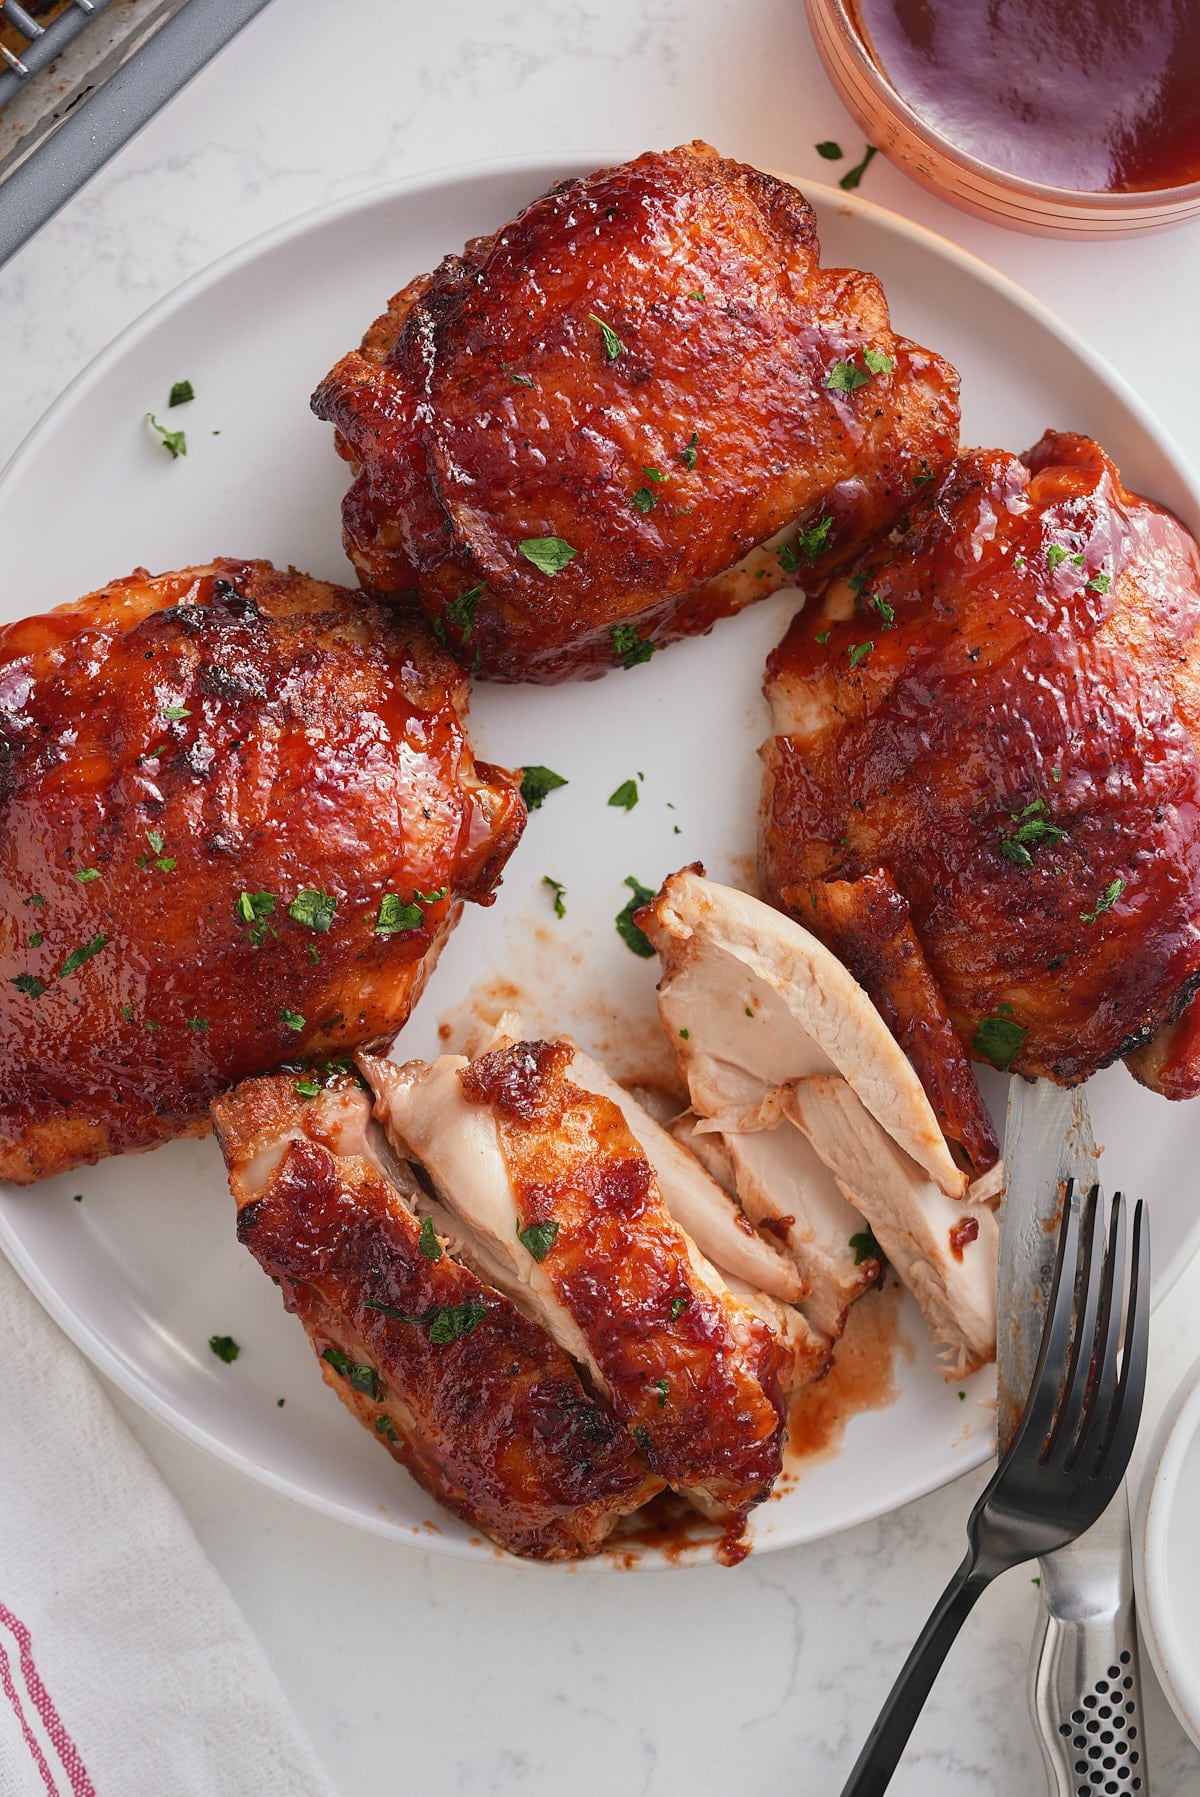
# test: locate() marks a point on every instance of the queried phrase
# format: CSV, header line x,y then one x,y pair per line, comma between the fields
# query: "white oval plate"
x,y
1167,1557
146,1267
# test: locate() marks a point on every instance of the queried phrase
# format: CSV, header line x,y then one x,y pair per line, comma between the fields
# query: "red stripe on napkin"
x,y
64,1746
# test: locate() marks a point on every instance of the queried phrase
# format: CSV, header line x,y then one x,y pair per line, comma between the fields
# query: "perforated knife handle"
x,y
1086,1698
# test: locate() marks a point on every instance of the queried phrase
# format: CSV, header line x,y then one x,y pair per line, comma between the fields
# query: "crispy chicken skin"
x,y
651,365
481,1407
182,757
1002,711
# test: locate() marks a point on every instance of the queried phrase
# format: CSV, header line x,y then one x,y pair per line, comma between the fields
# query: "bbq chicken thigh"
x,y
238,813
995,720
634,409
467,1392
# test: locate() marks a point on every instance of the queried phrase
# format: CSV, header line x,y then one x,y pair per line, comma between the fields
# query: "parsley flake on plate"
x,y
174,442
625,797
224,1347
536,782
830,151
548,554
559,891
181,393
634,938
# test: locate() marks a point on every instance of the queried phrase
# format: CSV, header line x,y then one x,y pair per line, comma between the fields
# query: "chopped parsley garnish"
x,y
87,874
536,782
362,1377
688,456
1033,826
313,909
859,653
678,1306
664,1392
539,1238
829,151
654,474
308,1088
998,1039
76,1197
627,929
878,361
686,1034
844,377
127,1013
822,636
559,891
697,293
815,542
886,611
175,714
36,940
853,176
1105,902
549,554
427,1241
253,908
865,1247
151,1025
1056,555
613,347
37,900
924,477
461,612
224,1347
383,1426
456,1320
291,1020
181,393
518,380
643,500
78,956
432,898
1099,583
1019,563
787,558
641,1435
629,646
395,915
198,1025
626,795
29,984
174,442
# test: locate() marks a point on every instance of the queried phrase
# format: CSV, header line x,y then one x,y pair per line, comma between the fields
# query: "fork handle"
x,y
887,1740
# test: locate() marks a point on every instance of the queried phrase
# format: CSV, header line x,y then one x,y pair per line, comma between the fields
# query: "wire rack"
x,y
79,77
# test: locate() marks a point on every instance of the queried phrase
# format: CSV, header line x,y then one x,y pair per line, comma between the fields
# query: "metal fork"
x,y
1067,1457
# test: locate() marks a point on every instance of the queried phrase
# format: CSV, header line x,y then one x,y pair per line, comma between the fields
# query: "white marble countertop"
x,y
436,1675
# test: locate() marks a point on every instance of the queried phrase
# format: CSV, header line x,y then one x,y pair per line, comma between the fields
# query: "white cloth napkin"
x,y
126,1668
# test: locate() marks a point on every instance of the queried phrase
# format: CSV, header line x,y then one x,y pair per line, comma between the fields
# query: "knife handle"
x,y
1086,1697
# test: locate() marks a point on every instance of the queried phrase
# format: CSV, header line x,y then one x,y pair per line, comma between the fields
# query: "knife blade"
x,y
1047,1140
1084,1682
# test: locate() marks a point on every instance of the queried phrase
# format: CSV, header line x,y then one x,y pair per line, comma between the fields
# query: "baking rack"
x,y
79,85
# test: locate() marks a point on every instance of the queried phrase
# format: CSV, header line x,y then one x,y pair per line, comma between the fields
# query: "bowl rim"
x,y
839,15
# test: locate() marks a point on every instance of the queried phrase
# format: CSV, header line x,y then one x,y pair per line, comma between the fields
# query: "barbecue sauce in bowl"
x,y
1090,95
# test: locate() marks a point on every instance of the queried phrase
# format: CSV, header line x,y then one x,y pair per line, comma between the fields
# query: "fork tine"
x,y
1089,1279
1042,1402
1101,1383
1117,1444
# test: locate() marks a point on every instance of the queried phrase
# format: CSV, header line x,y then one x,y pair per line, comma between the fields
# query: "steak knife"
x,y
1084,1683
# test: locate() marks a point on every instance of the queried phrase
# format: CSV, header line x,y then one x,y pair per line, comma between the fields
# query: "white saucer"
x,y
1167,1554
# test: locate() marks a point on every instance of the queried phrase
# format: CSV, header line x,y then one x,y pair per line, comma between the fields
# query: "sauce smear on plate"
x,y
1097,95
